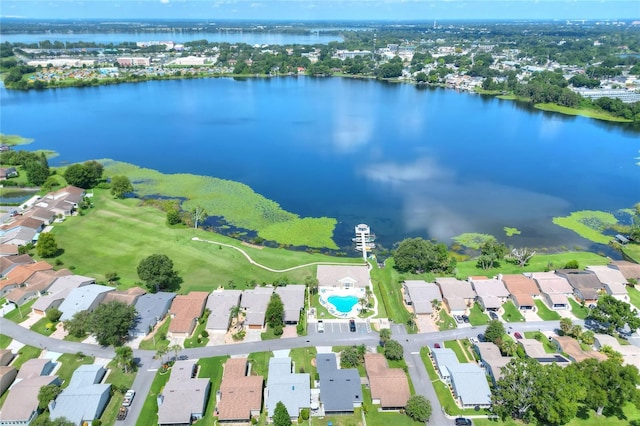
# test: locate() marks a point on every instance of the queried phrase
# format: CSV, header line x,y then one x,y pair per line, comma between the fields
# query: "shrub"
x,y
205,333
278,330
572,264
304,413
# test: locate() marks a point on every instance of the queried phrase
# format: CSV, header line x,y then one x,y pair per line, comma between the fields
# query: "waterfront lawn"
x,y
20,313
303,358
69,363
120,380
634,296
578,310
149,414
548,346
160,341
455,347
476,316
390,294
41,327
118,228
539,262
632,250
25,353
260,363
5,341
446,322
545,313
511,313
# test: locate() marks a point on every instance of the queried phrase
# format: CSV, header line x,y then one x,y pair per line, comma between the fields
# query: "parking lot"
x,y
341,327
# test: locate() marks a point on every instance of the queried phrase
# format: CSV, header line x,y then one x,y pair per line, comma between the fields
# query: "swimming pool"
x,y
343,304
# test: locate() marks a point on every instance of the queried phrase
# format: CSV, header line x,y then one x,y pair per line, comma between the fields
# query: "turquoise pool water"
x,y
343,304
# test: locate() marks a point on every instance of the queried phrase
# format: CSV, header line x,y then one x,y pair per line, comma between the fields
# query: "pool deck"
x,y
325,293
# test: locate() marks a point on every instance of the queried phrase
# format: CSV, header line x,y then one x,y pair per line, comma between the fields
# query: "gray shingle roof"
x,y
292,297
421,293
339,388
255,303
81,299
151,308
219,304
338,275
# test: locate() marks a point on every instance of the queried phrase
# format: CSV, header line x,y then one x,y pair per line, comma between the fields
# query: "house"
x,y
555,289
36,367
36,285
7,376
20,274
63,201
420,295
8,172
457,295
7,263
492,359
254,303
40,213
240,395
343,276
615,284
630,353
184,397
128,296
22,222
535,349
21,405
85,398
571,347
292,297
8,250
58,292
586,285
340,389
491,292
389,386
285,385
523,290
185,311
151,309
630,270
19,236
85,298
220,302
468,381
6,356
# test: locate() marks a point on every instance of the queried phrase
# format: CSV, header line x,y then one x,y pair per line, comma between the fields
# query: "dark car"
x,y
436,345
493,315
465,319
461,421
183,357
517,335
352,326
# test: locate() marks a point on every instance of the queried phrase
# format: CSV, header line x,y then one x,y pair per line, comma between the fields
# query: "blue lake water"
x,y
177,37
406,161
343,304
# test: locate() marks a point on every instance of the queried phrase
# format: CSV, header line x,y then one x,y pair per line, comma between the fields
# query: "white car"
x,y
128,398
320,326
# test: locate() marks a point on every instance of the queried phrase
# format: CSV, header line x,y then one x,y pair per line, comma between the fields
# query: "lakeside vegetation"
x,y
589,224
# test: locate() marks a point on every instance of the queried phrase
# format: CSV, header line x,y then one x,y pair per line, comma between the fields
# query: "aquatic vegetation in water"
x,y
236,202
589,224
511,231
14,140
472,240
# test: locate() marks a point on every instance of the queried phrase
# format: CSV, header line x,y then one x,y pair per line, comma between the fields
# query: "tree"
x,y
514,393
161,352
613,314
47,394
385,335
508,347
522,256
281,416
566,325
418,408
37,171
558,395
157,273
46,421
54,314
78,325
495,331
199,215
393,350
120,186
491,253
78,175
173,216
124,358
418,255
110,322
46,245
275,311
177,348
350,357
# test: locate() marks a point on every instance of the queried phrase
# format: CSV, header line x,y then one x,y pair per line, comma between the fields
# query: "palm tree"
x,y
161,352
175,348
385,335
508,347
124,358
235,311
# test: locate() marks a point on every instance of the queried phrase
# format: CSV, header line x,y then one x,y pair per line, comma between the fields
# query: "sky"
x,y
304,10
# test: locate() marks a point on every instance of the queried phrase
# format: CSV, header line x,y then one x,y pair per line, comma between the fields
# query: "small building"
x,y
286,386
8,250
555,289
20,274
535,349
128,296
492,359
85,398
185,311
457,295
292,297
523,290
7,263
389,386
630,270
36,367
240,394
85,298
420,295
21,405
491,292
571,347
151,308
184,397
6,356
343,276
615,284
586,285
254,302
630,353
7,376
220,303
340,389
63,202
468,381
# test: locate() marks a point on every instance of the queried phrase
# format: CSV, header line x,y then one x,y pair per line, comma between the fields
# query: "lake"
x,y
407,161
177,37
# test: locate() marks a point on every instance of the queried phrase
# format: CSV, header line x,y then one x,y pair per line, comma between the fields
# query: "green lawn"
x,y
211,368
269,334
149,414
378,418
21,313
69,364
390,293
477,317
539,262
545,313
123,233
4,341
260,363
455,347
578,310
303,357
632,250
548,346
26,353
118,379
511,313
157,341
634,296
446,321
424,355
41,327
353,420
193,342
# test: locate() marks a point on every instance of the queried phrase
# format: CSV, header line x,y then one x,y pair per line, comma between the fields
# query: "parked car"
x,y
320,326
122,413
517,335
493,315
459,319
462,421
436,345
128,398
183,358
352,326
465,319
